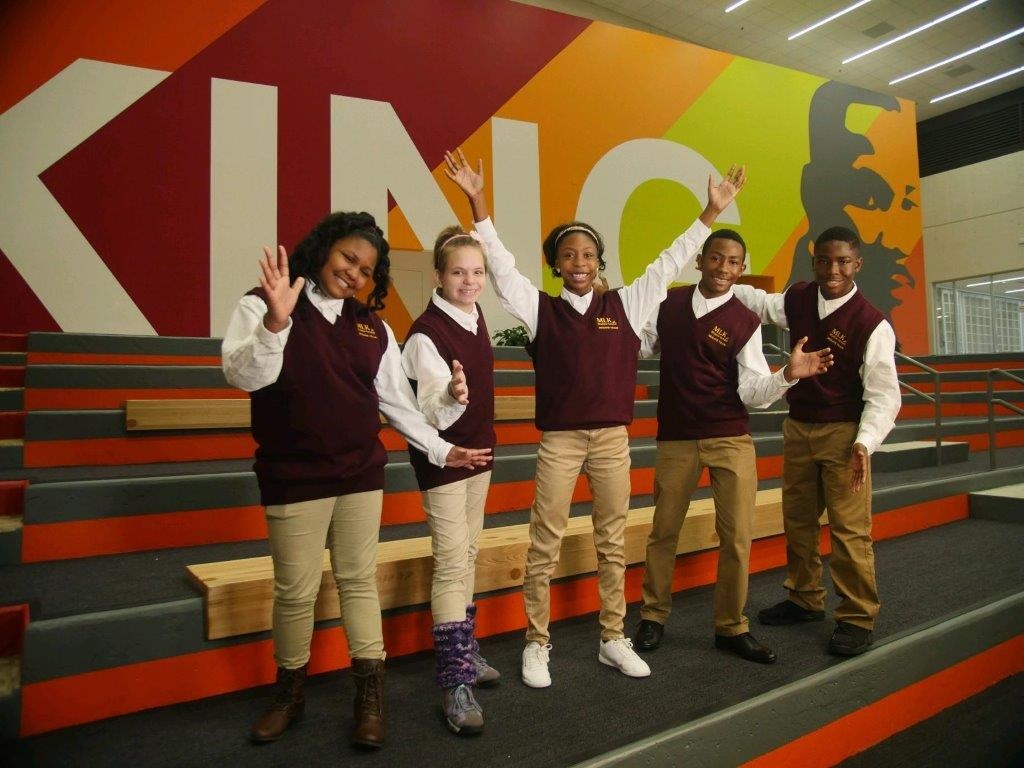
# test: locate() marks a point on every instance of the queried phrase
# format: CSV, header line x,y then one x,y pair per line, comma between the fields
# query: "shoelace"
x,y
286,692
479,661
464,700
372,694
538,657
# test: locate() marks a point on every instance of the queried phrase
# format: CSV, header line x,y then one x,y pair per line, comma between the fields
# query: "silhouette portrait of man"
x,y
832,183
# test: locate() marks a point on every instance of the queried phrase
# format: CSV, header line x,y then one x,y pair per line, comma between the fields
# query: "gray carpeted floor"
x,y
589,709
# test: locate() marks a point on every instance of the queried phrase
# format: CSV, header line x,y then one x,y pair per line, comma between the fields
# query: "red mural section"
x,y
139,188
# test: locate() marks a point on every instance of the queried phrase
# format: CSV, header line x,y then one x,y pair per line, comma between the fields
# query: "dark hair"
x,y
724,234
550,246
310,255
449,239
842,235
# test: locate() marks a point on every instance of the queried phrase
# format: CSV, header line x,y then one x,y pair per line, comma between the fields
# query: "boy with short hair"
x,y
835,423
712,367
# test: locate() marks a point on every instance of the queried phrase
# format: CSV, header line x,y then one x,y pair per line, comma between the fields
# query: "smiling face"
x,y
576,258
834,265
350,264
463,278
720,266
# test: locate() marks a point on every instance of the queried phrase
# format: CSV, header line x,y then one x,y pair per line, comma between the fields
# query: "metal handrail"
x,y
992,402
936,401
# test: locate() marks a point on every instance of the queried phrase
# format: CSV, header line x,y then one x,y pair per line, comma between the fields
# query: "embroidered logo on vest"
x,y
719,336
837,338
366,330
607,324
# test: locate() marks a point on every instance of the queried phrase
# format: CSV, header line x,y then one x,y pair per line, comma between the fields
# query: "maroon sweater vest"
x,y
839,394
585,364
475,428
316,427
697,395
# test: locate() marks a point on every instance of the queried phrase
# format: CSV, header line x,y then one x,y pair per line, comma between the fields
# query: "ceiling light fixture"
x,y
826,20
736,5
951,59
977,85
992,282
923,27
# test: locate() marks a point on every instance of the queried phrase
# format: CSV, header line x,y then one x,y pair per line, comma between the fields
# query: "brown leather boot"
x,y
369,705
288,705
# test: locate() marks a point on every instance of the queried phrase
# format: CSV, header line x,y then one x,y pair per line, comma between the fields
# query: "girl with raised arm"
x,y
584,347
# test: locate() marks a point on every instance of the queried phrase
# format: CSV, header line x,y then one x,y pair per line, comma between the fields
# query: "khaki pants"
x,y
349,526
559,459
455,515
733,470
816,476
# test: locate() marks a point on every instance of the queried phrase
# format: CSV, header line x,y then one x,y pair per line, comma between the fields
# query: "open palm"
x,y
459,170
720,195
282,294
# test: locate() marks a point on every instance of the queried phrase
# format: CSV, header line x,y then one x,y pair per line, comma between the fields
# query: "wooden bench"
x,y
148,415
238,594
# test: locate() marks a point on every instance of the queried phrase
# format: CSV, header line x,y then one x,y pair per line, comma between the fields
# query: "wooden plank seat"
x,y
238,594
149,415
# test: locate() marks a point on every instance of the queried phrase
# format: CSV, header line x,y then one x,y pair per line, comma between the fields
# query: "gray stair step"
x,y
12,398
1005,504
914,454
12,454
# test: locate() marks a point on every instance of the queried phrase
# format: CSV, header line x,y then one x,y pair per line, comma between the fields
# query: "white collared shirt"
x,y
252,356
421,361
640,298
882,397
758,387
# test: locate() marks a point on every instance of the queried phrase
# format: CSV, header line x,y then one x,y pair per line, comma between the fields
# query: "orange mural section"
x,y
898,225
45,36
610,86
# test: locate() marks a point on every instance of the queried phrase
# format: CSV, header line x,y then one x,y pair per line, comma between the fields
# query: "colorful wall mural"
x,y
150,149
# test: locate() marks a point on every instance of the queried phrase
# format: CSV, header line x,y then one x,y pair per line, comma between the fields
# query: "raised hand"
x,y
458,390
459,170
720,195
471,182
858,467
281,294
803,365
468,457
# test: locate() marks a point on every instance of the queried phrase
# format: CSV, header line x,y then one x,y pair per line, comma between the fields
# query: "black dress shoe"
x,y
788,612
648,635
849,639
746,647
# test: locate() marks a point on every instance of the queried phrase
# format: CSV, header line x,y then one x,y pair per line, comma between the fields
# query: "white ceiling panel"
x,y
759,30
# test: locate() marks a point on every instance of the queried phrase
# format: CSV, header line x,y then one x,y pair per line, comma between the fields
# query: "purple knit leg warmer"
x,y
474,646
452,650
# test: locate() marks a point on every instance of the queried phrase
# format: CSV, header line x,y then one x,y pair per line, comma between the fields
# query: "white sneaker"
x,y
619,653
535,665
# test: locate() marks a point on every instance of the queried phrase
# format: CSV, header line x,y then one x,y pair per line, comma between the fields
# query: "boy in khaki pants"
x,y
834,425
712,368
